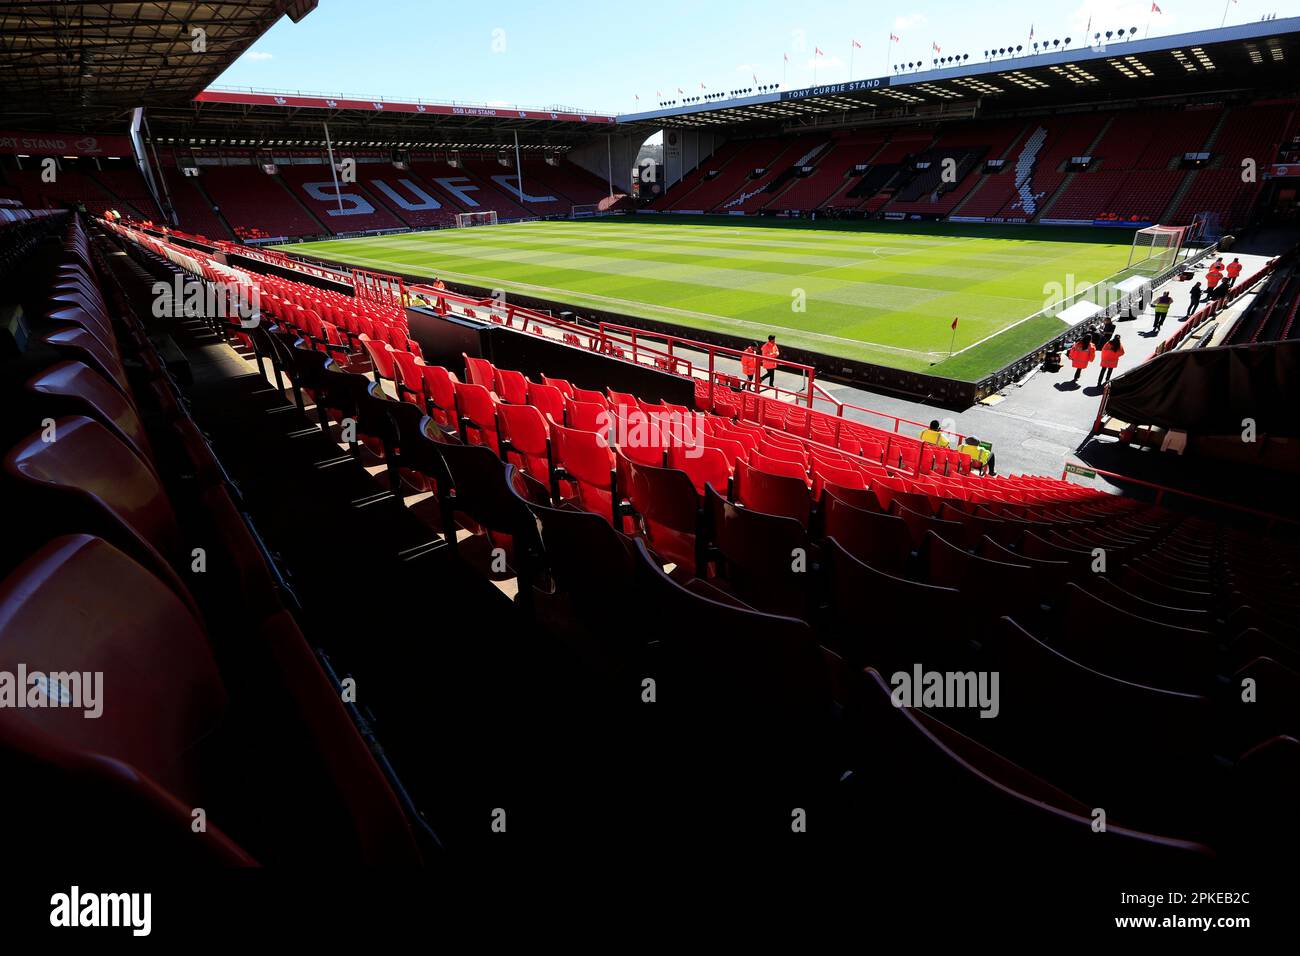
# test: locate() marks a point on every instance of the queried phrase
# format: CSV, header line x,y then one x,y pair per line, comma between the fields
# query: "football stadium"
x,y
884,474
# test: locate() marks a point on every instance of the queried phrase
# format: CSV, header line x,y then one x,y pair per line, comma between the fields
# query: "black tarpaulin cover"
x,y
1211,391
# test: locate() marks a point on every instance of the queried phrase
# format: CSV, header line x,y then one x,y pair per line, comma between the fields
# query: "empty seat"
x,y
888,622
88,480
479,371
583,459
511,386
1124,645
525,440
994,587
959,798
76,386
704,466
880,540
763,558
80,605
669,508
772,493
477,413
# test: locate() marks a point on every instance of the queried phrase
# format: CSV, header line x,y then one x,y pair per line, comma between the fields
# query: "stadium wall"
x,y
596,155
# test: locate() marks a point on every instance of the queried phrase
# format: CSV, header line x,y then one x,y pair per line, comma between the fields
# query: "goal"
x,y
1155,249
488,218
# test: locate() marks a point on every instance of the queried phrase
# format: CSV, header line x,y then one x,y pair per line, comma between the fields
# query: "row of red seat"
x,y
216,709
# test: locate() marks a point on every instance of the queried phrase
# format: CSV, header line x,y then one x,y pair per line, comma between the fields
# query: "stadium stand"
x,y
249,198
702,517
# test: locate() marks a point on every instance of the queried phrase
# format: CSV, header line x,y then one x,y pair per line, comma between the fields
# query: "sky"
x,y
598,57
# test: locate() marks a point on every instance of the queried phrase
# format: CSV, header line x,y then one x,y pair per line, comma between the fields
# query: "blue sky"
x,y
598,56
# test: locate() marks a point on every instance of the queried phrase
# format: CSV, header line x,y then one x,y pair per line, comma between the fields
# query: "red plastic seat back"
x,y
704,466
479,371
381,356
511,387
440,387
523,427
665,499
79,605
587,459
548,400
778,466
565,388
90,478
409,376
80,384
586,416
477,413
772,494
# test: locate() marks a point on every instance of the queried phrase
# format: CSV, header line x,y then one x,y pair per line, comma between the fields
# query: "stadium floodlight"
x,y
466,219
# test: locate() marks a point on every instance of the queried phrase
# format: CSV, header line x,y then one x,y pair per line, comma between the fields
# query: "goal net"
x,y
488,218
1155,249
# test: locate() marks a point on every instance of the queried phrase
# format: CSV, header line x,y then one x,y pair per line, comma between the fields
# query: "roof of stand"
x,y
1254,56
84,65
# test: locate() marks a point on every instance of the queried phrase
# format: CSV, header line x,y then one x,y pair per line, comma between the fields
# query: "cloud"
x,y
909,21
257,57
745,68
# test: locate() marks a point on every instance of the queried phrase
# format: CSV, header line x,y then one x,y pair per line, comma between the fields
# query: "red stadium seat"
x,y
477,413
584,459
704,466
511,387
85,392
525,440
764,559
880,540
548,400
87,480
479,371
772,493
668,505
586,416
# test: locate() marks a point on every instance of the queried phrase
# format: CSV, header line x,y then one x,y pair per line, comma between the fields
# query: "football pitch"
x,y
879,292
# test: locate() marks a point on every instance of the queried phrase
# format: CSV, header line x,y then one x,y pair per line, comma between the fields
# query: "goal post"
x,y
1155,249
488,218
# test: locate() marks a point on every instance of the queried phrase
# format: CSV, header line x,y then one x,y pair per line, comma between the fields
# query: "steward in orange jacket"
x,y
1081,355
770,354
1110,356
749,364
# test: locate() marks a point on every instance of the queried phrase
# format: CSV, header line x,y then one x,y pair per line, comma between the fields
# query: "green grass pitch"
x,y
879,292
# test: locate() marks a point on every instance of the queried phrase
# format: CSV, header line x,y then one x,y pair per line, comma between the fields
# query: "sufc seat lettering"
x,y
326,193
